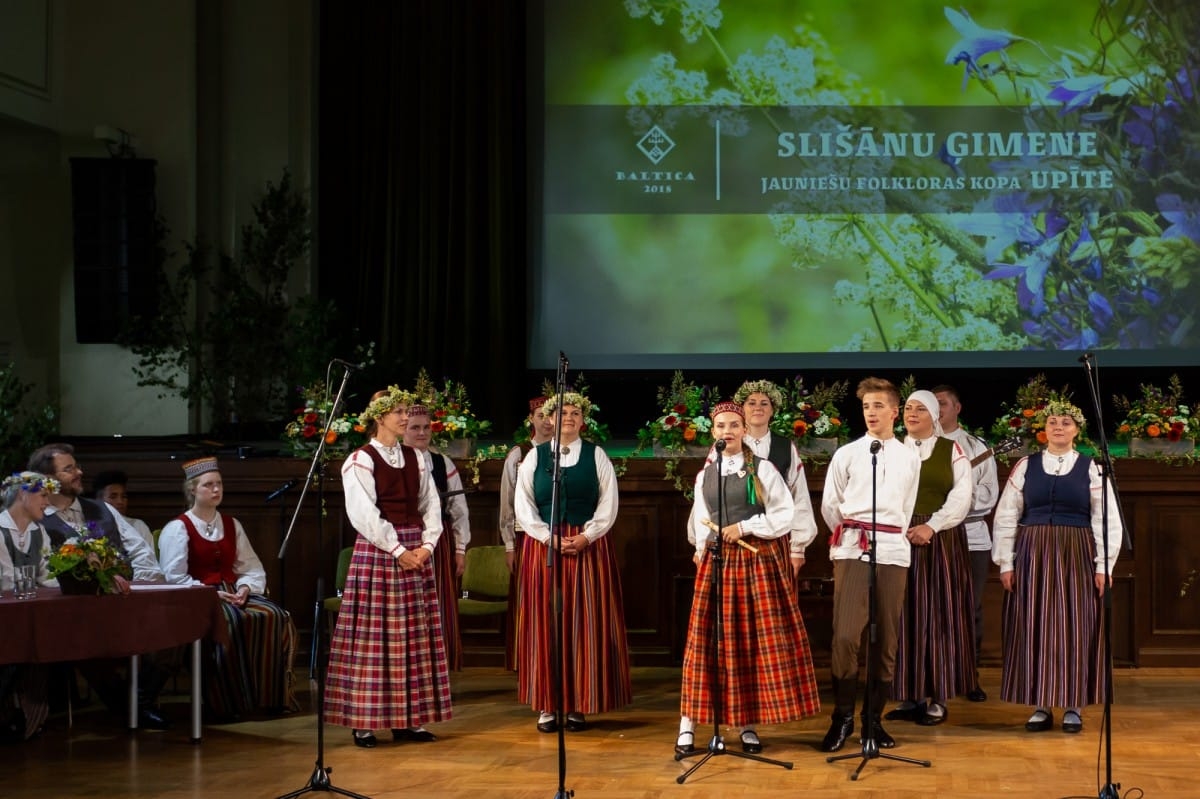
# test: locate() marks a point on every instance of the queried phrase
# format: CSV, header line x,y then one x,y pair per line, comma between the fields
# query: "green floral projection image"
x,y
861,178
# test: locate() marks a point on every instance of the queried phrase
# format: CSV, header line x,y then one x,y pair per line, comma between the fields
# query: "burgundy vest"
x,y
211,562
398,490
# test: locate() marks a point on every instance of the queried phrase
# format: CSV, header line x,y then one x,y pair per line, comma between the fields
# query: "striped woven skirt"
x,y
763,664
387,660
1051,620
512,630
447,594
935,652
255,671
595,652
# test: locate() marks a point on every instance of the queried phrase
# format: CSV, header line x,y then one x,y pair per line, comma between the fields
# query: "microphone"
x,y
720,445
876,445
348,365
562,358
283,489
1086,357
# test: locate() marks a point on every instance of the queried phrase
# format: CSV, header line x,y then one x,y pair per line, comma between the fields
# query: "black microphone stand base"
x,y
716,746
1111,791
870,751
319,781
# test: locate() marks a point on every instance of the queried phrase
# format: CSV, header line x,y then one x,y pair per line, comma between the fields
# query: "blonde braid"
x,y
748,455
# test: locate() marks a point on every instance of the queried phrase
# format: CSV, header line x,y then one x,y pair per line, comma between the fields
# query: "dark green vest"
x,y
937,478
580,490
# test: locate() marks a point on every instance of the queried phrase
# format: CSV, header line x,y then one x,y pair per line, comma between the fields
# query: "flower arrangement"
x,y
684,421
808,415
89,563
1156,414
303,434
594,430
1026,417
450,413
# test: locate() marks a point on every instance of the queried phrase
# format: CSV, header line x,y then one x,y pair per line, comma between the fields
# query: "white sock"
x,y
362,733
935,710
1041,714
546,716
686,725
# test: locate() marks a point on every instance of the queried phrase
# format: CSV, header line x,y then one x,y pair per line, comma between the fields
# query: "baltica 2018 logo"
x,y
655,144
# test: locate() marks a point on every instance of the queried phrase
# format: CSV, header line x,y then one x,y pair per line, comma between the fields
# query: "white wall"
x,y
132,64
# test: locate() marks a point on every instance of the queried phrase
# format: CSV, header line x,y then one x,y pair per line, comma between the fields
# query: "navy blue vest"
x,y
1064,500
580,486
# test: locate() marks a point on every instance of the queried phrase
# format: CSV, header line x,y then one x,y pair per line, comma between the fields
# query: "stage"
x,y
491,749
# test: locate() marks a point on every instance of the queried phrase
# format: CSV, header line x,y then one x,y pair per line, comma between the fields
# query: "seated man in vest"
x,y
69,512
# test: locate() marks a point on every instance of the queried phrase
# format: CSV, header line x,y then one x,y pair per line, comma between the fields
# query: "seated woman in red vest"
x,y
205,547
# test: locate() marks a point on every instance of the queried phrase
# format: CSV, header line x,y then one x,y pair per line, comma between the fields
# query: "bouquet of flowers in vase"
x,y
89,564
303,433
1026,416
1157,414
684,421
594,430
450,414
809,415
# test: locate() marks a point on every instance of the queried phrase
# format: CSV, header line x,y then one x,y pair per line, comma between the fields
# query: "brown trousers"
x,y
851,594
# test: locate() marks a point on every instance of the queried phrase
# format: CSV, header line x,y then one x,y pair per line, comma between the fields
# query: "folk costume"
x,y
935,654
1049,532
595,664
254,672
456,534
387,662
764,662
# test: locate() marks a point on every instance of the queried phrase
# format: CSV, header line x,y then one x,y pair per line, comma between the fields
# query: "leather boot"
x,y
879,692
840,727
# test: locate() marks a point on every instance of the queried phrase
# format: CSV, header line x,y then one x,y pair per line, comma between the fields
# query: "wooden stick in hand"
x,y
711,525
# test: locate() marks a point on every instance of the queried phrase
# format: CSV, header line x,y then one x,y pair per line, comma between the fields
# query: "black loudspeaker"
x,y
115,239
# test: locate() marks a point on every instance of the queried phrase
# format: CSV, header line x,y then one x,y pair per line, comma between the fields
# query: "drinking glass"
x,y
26,582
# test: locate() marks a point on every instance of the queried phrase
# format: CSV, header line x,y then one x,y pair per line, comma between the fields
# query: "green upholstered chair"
x,y
484,582
334,603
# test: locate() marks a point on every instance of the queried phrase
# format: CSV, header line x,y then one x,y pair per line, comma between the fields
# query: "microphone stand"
x,y
554,562
1110,790
870,745
274,495
716,744
319,781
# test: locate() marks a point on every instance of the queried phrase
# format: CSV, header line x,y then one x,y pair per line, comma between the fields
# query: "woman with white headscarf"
x,y
935,657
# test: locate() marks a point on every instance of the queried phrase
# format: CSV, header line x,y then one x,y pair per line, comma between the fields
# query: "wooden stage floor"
x,y
491,749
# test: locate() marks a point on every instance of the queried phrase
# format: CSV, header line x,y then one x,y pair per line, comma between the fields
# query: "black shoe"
x,y
750,743
882,739
684,749
417,736
914,713
548,726
576,722
1040,726
976,694
929,720
367,741
1072,722
839,730
152,719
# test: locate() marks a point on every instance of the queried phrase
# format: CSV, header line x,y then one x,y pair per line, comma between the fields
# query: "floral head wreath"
x,y
568,398
395,397
1063,407
33,482
760,387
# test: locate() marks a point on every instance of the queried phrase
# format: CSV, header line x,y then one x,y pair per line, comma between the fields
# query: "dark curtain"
x,y
421,235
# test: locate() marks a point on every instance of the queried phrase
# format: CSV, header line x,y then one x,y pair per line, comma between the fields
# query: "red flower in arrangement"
x,y
309,431
680,408
670,420
799,427
311,418
437,427
440,413
1176,432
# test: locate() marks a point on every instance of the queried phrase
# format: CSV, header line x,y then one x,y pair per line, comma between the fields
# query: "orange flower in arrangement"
x,y
799,428
1041,436
1028,413
331,437
689,435
304,433
1157,413
1153,431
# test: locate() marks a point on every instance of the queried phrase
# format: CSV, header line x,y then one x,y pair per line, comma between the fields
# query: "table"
x,y
55,627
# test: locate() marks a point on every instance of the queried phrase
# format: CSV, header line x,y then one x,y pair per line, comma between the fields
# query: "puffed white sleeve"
x,y
247,566
1008,516
606,508
358,489
779,511
508,490
524,503
804,523
958,501
1115,531
173,553
457,505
